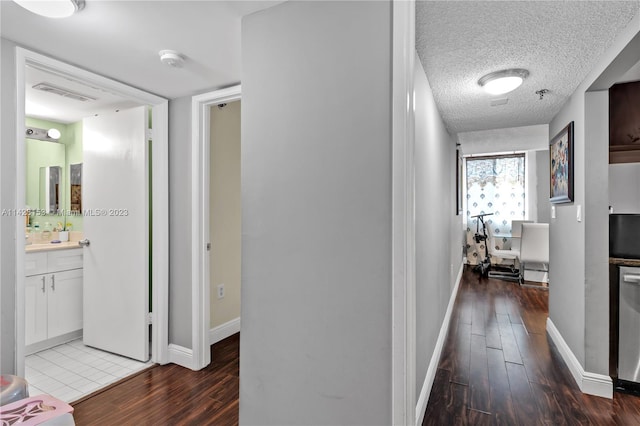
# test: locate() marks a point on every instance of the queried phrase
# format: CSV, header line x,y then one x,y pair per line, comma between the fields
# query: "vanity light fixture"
x,y
52,8
501,82
51,135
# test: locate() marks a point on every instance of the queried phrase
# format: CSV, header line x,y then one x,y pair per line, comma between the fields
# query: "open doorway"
x,y
221,106
225,220
81,228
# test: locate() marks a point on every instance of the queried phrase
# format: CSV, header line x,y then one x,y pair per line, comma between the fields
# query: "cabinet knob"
x,y
43,284
53,282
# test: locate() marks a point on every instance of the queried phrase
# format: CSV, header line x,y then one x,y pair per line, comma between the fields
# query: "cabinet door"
x,y
35,309
64,302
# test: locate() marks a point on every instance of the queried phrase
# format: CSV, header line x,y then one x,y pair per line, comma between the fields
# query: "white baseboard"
x,y
181,356
590,383
423,399
223,331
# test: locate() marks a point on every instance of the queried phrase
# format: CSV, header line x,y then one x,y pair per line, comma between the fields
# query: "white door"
x,y
115,204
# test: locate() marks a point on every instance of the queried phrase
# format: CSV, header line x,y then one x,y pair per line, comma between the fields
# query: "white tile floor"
x,y
73,370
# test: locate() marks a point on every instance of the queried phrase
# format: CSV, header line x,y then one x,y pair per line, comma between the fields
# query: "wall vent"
x,y
50,88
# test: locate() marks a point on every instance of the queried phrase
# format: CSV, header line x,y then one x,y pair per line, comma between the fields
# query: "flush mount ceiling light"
x,y
52,8
171,58
501,82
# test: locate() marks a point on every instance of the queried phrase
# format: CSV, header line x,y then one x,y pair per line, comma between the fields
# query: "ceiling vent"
x,y
49,88
501,101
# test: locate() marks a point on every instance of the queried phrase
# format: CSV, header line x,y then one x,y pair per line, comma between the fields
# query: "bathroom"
x,y
57,360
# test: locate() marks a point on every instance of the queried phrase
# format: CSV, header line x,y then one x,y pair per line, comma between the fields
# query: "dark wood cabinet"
x,y
624,123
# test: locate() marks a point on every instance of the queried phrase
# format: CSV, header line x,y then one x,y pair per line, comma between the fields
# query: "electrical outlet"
x,y
220,291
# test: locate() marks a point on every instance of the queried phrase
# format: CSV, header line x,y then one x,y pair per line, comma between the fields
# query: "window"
x,y
495,185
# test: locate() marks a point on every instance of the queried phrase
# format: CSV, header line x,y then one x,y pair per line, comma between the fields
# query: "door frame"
x,y
200,226
160,190
404,407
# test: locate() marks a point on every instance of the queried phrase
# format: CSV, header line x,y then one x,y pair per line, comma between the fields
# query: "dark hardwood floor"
x,y
499,366
171,395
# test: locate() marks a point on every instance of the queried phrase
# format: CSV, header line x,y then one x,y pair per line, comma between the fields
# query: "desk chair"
x,y
534,246
512,254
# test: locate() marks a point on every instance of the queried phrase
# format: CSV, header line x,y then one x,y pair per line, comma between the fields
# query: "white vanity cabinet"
x,y
53,298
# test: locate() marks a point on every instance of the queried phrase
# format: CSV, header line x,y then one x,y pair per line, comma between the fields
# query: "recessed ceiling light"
x,y
501,82
52,8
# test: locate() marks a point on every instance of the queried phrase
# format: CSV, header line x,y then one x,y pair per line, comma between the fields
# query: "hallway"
x,y
499,366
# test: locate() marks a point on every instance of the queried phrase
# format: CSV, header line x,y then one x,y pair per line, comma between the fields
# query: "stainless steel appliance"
x,y
629,325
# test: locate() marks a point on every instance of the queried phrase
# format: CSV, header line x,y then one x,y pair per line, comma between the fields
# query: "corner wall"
x,y
316,212
180,310
578,269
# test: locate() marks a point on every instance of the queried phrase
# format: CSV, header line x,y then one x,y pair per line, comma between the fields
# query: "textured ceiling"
x,y
559,42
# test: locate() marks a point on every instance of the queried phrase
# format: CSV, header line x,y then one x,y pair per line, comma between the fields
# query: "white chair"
x,y
534,247
516,228
512,254
516,233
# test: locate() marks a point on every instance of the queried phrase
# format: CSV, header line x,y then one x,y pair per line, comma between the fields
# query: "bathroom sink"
x,y
624,236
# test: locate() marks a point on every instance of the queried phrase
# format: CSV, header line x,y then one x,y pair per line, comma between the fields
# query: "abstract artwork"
x,y
561,166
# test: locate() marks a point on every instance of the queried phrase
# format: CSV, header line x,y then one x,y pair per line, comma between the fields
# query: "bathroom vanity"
x,y
53,295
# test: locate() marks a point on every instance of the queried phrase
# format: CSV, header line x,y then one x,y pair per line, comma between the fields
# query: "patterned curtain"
x,y
494,185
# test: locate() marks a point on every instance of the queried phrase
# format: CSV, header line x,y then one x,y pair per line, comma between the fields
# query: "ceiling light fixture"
x,y
52,8
171,58
501,82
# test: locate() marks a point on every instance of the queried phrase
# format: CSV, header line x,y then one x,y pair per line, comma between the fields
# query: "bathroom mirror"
x,y
51,189
45,176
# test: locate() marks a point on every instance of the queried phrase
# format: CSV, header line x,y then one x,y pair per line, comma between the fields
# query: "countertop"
x,y
31,248
624,262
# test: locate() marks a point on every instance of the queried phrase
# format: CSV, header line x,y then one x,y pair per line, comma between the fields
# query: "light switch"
x,y
553,212
579,213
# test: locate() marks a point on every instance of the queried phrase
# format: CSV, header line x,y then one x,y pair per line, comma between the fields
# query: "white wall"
x,y
578,269
542,205
438,250
8,201
624,187
596,232
525,138
316,196
180,310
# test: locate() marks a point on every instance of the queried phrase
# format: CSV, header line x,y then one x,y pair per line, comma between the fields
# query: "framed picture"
x,y
561,166
459,162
